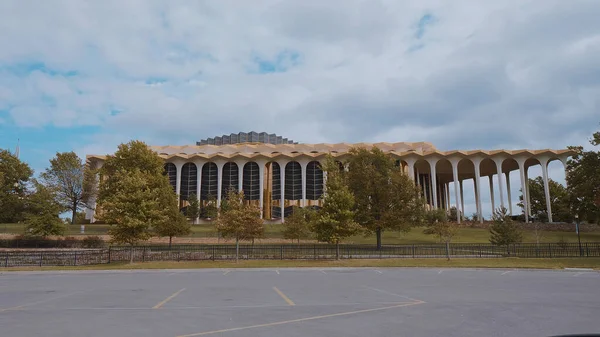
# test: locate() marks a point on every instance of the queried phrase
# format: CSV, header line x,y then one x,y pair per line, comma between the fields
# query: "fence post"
x,y
6,260
213,252
75,262
41,258
587,252
550,249
144,254
315,251
109,248
178,253
413,251
281,252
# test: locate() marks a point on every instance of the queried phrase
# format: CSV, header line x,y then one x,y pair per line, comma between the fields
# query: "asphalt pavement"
x,y
300,302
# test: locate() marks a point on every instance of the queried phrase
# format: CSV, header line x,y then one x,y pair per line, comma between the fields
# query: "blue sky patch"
x,y
282,62
425,21
26,68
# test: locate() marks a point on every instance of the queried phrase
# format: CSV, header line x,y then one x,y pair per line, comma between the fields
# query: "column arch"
x,y
487,169
443,169
273,196
251,182
208,183
422,174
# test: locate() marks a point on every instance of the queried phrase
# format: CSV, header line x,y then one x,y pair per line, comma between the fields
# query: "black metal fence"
x,y
290,252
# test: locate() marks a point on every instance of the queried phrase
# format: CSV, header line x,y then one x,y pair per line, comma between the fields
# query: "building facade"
x,y
277,175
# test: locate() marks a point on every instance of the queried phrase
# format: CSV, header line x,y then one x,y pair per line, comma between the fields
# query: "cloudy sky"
x,y
87,75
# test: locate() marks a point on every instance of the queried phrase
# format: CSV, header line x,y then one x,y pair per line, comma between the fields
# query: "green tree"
x,y
192,211
239,221
503,231
559,200
210,209
14,176
335,220
66,177
439,226
297,225
42,213
385,197
583,181
134,195
175,223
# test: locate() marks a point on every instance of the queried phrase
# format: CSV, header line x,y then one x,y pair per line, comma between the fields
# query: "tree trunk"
x,y
448,250
237,249
170,240
74,212
131,253
378,234
337,250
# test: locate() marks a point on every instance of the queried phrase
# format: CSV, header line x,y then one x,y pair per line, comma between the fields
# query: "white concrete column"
x,y
199,166
523,176
261,178
432,162
282,178
448,204
303,166
430,192
462,200
491,179
510,211
454,162
240,166
544,164
476,161
410,163
527,189
178,166
498,162
219,181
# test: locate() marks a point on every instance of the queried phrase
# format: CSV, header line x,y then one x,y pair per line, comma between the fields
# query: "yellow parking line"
x,y
39,302
285,298
300,320
160,304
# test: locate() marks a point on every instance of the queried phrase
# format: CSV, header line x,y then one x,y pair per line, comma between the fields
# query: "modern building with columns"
x,y
276,173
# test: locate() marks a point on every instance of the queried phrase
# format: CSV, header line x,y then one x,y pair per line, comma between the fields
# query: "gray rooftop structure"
x,y
246,137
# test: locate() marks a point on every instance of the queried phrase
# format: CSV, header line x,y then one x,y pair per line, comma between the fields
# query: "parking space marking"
x,y
22,306
303,319
161,303
439,272
390,293
277,271
226,272
285,298
506,272
379,271
577,274
322,271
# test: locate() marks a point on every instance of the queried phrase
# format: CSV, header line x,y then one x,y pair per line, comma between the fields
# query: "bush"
x,y
92,242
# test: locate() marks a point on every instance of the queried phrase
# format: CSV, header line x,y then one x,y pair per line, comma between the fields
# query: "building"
x,y
276,173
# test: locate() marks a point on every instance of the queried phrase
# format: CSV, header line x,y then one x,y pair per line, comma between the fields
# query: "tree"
x,y
503,231
42,213
175,224
192,211
210,210
559,200
438,225
14,176
66,177
297,225
335,220
583,181
239,221
134,195
385,197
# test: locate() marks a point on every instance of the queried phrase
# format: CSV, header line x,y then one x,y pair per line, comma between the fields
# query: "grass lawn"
x,y
465,235
558,263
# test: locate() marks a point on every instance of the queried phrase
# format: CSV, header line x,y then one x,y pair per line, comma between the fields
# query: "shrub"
x,y
92,242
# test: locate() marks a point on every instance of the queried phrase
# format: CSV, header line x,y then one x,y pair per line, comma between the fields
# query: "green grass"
x,y
557,263
415,236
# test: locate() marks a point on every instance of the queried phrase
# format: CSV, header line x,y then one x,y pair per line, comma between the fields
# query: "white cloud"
x,y
489,74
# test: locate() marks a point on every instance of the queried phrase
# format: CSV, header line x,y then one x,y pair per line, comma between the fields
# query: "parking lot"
x,y
300,302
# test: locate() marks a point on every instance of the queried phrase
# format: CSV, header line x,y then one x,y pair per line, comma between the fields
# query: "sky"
x,y
84,76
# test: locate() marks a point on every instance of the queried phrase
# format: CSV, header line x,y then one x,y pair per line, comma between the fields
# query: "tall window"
x,y
171,172
293,181
314,181
251,183
230,178
189,180
209,181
